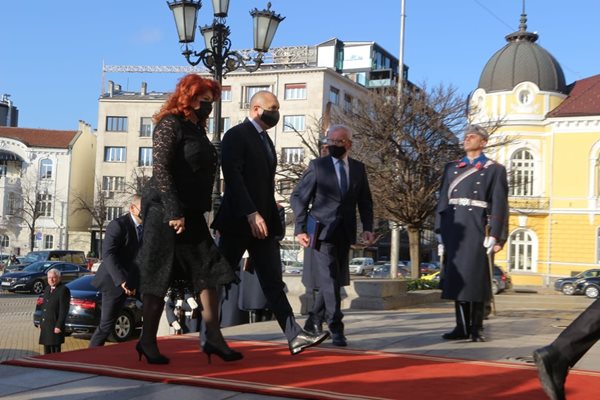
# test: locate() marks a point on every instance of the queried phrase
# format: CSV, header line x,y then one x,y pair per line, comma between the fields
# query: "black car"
x,y
84,312
570,285
589,286
33,277
501,281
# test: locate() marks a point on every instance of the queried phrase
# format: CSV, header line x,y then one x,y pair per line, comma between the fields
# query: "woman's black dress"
x,y
184,167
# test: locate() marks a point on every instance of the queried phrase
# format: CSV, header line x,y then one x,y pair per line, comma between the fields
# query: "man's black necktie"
x,y
140,233
265,139
343,177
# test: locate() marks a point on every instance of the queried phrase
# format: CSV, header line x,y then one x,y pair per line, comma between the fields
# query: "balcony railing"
x,y
529,203
7,181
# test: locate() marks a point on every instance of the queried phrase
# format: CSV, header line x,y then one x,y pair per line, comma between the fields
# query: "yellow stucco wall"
x,y
562,214
83,161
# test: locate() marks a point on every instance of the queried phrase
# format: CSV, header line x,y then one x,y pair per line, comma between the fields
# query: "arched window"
x,y
48,241
4,241
45,169
521,170
521,251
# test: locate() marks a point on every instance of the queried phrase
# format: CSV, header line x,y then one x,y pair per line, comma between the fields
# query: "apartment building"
x,y
43,176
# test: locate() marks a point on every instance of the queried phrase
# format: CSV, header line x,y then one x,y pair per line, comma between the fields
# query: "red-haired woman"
x,y
176,241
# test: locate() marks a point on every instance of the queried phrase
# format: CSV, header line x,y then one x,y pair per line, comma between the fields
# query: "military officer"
x,y
471,224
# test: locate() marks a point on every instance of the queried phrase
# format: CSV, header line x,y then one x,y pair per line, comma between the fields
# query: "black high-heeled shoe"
x,y
225,355
160,359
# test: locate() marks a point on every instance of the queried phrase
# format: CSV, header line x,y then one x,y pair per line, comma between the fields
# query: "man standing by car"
x,y
332,188
471,223
118,275
54,313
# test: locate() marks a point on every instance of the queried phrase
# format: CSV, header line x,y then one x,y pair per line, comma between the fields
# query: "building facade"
x,y
551,135
43,176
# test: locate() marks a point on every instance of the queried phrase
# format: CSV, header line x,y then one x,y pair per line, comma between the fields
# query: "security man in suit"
x,y
331,190
553,361
248,218
471,224
118,275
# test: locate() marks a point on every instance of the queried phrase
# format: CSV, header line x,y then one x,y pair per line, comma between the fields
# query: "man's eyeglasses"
x,y
336,142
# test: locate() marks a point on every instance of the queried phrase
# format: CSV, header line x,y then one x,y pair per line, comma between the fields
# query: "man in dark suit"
x,y
118,276
248,218
330,190
553,361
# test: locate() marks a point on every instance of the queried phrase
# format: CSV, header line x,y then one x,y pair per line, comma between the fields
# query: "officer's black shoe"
x,y
552,370
457,334
477,335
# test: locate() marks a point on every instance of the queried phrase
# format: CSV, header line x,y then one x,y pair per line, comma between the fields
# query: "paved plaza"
x,y
524,321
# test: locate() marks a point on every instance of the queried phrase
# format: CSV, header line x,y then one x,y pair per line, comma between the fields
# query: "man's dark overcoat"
x,y
54,315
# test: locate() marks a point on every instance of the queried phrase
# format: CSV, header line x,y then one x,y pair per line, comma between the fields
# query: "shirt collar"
x,y
134,221
481,159
344,158
256,125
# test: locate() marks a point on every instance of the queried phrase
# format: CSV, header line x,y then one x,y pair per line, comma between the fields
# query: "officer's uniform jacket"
x,y
473,199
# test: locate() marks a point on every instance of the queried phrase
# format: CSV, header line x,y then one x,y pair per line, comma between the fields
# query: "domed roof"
x,y
522,60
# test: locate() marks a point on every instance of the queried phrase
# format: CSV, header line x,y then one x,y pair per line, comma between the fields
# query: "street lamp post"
x,y
217,55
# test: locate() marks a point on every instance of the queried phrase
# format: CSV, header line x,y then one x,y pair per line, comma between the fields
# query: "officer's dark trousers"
x,y
469,316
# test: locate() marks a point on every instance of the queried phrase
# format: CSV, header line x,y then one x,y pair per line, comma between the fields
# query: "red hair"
x,y
185,96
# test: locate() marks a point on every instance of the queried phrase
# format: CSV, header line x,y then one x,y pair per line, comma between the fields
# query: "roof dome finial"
x,y
523,24
522,33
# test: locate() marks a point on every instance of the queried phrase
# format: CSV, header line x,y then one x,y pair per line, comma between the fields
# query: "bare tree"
x,y
31,206
290,171
137,180
96,209
405,145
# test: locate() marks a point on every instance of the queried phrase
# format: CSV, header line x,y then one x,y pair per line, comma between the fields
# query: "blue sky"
x,y
52,51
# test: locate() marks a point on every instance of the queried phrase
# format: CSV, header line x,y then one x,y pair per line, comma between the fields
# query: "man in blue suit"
x,y
118,275
330,191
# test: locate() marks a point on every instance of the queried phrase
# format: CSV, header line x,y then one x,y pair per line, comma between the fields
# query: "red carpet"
x,y
319,373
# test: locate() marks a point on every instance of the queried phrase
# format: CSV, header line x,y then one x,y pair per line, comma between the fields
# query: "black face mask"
x,y
204,111
270,118
336,151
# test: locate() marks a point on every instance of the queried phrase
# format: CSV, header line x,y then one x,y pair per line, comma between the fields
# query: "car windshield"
x,y
84,283
356,262
36,256
36,267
